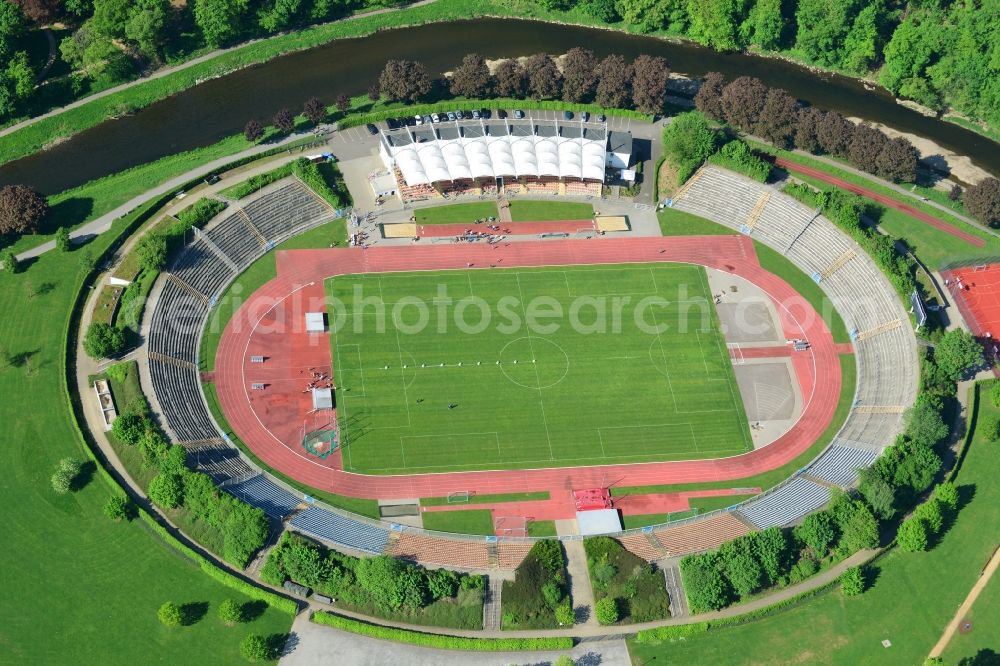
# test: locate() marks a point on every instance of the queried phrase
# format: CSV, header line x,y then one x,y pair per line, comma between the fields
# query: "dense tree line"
x,y
381,584
939,54
853,520
577,77
750,106
243,528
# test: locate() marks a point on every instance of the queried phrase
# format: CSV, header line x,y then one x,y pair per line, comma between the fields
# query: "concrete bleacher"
x,y
511,554
261,492
178,392
289,207
432,549
699,535
176,320
233,237
341,530
202,269
839,464
221,462
785,505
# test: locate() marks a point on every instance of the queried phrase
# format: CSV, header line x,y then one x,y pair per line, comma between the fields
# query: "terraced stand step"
x,y
191,291
252,227
493,555
187,365
675,590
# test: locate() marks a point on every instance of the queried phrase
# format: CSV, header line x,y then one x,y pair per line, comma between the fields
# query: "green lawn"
x,y
489,499
985,634
463,521
412,398
542,528
82,588
254,277
913,596
698,506
675,222
463,213
614,570
536,211
775,476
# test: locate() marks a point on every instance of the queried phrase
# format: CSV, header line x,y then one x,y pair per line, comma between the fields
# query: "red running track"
x,y
882,199
304,270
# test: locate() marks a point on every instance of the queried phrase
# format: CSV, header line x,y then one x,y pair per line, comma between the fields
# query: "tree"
x,y
741,570
314,110
930,512
166,490
924,425
866,145
255,648
859,529
807,129
708,99
852,581
579,75
62,239
742,102
279,16
284,120
39,12
543,77
170,614
649,83
472,78
614,76
835,133
947,494
765,25
770,547
715,23
510,79
86,260
343,103
564,660
219,20
649,15
955,193
103,340
12,28
606,610
878,493
602,10
442,583
912,535
253,130
17,82
817,532
404,81
145,26
9,260
863,43
152,252
982,200
231,612
374,92
565,615
688,141
897,161
822,27
117,507
390,583
778,117
957,353
244,530
22,210
129,428
66,471
706,588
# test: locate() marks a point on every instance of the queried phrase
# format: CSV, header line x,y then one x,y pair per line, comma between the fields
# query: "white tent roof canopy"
x,y
468,157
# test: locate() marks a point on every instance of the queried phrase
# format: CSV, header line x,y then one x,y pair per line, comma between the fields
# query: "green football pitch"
x,y
634,370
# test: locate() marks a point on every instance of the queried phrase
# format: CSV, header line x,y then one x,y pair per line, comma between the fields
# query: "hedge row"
x,y
257,182
437,640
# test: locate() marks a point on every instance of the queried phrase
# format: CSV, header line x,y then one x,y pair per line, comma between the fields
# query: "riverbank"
x,y
138,95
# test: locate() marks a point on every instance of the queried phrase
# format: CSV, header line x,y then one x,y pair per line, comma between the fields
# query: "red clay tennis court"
x,y
976,290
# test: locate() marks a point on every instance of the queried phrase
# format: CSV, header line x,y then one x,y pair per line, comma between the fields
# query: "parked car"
x,y
585,116
459,115
427,120
451,115
567,115
518,113
475,114
601,118
391,123
436,117
486,113
371,129
212,178
501,114
418,119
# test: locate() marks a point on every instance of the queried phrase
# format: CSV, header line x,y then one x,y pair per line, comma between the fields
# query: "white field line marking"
x,y
538,379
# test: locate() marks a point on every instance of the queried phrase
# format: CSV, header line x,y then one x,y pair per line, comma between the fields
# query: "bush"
x,y
565,615
200,213
912,535
9,260
526,603
736,155
103,340
152,252
66,472
947,494
255,648
688,141
326,187
118,507
166,490
606,610
170,614
995,393
438,641
129,428
852,582
231,612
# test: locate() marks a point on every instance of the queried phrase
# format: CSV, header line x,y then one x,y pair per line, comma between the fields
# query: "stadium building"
x,y
500,156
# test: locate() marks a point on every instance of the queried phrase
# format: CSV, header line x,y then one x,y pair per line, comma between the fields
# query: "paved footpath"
x,y
579,581
966,606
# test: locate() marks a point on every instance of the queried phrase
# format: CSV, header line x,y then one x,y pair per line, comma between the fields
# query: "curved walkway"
x,y
307,269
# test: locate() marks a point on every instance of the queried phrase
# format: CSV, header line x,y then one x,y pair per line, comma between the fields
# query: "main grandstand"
x,y
483,153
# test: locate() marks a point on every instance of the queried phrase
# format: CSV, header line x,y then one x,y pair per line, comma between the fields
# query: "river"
x,y
220,107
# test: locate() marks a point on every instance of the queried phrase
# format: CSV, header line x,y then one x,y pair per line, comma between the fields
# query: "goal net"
x,y
319,433
458,497
510,526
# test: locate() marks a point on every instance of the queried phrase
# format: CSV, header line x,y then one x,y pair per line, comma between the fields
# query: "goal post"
x,y
458,497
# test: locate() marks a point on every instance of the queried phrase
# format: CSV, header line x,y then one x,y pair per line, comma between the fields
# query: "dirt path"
x,y
963,610
882,199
